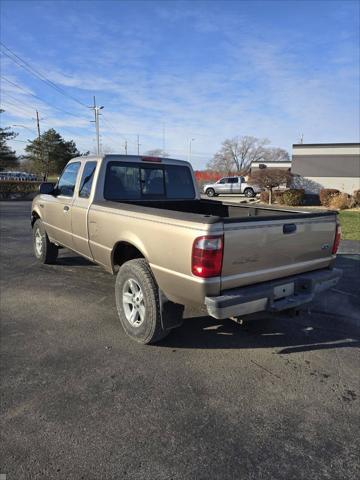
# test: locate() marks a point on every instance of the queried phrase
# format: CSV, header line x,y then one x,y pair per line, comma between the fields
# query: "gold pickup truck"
x,y
142,218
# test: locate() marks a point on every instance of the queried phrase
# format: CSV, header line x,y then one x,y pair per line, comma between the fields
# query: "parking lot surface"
x,y
276,399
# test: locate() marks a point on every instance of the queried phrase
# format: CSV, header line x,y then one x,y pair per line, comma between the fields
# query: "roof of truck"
x,y
131,158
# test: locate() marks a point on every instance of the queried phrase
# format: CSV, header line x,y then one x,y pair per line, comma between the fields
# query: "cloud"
x,y
231,79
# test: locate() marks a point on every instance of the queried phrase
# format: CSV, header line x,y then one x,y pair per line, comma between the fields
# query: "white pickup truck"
x,y
231,185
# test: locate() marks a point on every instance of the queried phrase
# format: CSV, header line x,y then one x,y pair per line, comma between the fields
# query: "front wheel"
x,y
249,193
210,192
138,303
45,251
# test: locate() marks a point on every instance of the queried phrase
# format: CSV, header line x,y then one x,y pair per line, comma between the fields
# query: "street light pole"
x,y
189,157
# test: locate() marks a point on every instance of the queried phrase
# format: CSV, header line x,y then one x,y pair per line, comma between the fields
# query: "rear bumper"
x,y
272,296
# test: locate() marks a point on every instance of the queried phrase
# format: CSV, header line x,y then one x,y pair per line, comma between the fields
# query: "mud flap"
x,y
171,313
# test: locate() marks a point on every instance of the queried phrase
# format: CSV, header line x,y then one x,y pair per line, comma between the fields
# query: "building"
x,y
269,164
326,165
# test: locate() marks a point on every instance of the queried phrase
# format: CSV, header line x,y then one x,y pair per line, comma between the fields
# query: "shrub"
x,y
326,194
341,201
264,196
277,195
356,198
293,197
12,187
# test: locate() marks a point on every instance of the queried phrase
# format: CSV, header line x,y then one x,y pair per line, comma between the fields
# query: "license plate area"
x,y
285,290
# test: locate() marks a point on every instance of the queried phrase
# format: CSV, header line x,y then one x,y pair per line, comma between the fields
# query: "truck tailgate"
x,y
264,249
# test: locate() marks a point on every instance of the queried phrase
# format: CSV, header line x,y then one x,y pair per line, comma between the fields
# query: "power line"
x,y
39,98
18,107
26,66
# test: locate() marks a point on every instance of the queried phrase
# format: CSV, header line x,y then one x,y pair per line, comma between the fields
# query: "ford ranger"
x,y
142,219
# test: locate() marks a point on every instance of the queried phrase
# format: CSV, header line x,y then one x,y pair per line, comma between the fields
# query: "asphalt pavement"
x,y
276,399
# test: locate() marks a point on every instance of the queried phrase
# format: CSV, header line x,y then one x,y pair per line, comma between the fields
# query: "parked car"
x,y
143,220
231,185
18,176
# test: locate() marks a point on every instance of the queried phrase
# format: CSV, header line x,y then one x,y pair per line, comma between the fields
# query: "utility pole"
x,y
163,139
38,124
191,140
125,145
41,152
96,121
138,145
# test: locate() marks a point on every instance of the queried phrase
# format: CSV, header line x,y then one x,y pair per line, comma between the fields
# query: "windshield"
x,y
132,181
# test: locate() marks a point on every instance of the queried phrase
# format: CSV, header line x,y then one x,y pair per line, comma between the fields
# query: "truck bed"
x,y
213,211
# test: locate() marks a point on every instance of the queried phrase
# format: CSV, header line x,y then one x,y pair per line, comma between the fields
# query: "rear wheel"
x,y
249,192
210,192
45,251
138,303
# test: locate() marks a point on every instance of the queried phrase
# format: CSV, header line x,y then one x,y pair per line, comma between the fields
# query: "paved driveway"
x,y
79,400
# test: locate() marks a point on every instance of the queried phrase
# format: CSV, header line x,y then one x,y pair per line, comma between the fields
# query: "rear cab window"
x,y
133,181
87,179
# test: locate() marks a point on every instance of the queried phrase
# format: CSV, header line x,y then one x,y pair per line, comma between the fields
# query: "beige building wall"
x,y
343,184
319,166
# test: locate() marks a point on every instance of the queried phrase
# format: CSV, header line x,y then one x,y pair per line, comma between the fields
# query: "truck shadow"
x,y
326,327
72,260
290,335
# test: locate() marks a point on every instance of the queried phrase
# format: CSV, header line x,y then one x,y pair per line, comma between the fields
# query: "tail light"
x,y
207,255
336,239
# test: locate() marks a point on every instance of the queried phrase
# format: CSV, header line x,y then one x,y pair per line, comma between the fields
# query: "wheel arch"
x,y
122,252
35,215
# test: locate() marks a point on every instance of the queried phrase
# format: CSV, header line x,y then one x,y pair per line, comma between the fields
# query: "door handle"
x,y
66,208
289,228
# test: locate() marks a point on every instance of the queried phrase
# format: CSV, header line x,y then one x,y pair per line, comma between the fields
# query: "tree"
x,y
157,152
8,158
270,178
237,154
50,153
275,154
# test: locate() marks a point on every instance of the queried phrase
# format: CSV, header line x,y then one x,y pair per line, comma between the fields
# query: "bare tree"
x,y
221,163
237,154
270,178
157,152
274,154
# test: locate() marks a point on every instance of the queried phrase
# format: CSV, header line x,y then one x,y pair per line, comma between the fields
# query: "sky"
x,y
175,72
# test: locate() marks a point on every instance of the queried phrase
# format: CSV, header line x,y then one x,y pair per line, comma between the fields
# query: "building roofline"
x,y
311,145
272,161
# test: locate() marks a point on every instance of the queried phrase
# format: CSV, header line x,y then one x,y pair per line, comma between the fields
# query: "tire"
x,y
249,193
138,303
210,192
44,250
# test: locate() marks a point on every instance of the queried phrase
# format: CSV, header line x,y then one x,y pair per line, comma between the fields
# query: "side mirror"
x,y
47,188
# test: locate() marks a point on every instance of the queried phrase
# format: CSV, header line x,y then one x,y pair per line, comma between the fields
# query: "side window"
x,y
66,184
233,180
87,179
223,180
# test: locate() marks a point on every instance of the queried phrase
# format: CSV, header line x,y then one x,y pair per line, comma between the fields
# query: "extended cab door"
x,y
80,208
58,207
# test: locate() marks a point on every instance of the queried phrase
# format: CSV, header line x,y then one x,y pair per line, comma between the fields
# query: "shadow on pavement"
x,y
74,261
291,335
330,325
